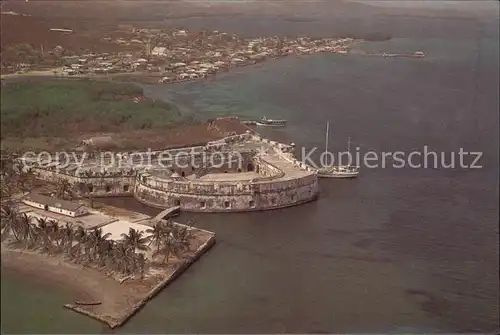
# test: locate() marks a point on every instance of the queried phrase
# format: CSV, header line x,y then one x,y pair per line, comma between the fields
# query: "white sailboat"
x,y
338,171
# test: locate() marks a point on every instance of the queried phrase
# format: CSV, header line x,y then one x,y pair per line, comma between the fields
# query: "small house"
x,y
54,205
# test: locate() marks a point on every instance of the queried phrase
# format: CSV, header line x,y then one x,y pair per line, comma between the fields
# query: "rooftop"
x,y
50,201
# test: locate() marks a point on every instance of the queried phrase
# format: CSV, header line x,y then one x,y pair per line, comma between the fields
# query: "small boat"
x,y
87,303
271,123
339,171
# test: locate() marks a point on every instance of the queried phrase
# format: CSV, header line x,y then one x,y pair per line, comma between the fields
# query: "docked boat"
x,y
87,303
338,171
270,122
342,171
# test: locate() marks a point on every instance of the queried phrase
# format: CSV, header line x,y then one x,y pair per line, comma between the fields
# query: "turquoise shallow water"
x,y
350,261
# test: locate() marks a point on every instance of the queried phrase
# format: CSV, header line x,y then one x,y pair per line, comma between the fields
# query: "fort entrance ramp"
x,y
167,213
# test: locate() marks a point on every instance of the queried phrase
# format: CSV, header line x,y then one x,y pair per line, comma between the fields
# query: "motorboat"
x,y
270,122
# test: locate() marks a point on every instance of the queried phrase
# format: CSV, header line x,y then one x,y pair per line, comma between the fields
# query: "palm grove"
x,y
90,248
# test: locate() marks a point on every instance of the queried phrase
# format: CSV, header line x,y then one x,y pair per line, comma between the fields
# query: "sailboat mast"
x,y
326,139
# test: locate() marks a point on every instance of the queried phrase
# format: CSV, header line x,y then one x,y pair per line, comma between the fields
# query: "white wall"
x,y
33,204
61,211
54,209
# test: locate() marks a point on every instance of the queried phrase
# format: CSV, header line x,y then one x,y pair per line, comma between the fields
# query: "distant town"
x,y
166,56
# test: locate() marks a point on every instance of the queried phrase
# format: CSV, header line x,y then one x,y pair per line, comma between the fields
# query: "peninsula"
x,y
119,259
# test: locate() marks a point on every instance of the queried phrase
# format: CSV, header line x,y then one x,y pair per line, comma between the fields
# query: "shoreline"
x,y
119,301
149,78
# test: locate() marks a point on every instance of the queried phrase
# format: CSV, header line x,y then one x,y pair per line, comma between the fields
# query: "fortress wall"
x,y
156,188
206,162
183,186
219,162
107,187
225,197
99,186
161,180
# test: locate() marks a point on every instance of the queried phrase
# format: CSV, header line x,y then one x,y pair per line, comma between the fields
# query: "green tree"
x,y
9,221
26,230
43,235
135,240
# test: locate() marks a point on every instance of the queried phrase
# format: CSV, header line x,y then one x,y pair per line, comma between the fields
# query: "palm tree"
x,y
80,188
181,240
54,234
165,242
124,258
158,233
81,237
83,189
165,249
63,189
67,239
135,240
26,230
6,187
50,237
141,264
22,180
6,162
95,242
43,234
91,200
8,217
107,259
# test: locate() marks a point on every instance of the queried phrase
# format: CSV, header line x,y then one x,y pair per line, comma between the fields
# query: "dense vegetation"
x,y
66,107
90,248
93,248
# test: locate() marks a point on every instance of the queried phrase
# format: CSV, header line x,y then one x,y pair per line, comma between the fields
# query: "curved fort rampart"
x,y
238,173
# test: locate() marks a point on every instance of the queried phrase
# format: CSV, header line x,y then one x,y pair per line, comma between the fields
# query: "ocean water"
x,y
30,306
396,250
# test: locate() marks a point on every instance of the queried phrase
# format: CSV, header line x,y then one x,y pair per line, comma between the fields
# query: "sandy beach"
x,y
118,301
84,283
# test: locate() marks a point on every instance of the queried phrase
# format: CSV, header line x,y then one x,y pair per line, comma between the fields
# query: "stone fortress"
x,y
237,173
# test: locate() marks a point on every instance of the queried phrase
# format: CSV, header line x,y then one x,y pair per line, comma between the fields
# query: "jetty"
x,y
417,54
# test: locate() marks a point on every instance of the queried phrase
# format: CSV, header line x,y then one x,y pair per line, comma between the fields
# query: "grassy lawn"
x,y
70,107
